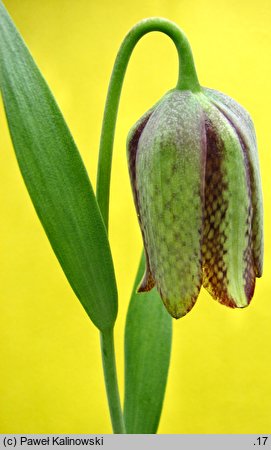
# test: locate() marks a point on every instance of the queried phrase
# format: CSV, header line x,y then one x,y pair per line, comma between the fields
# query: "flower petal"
x,y
243,125
228,265
170,169
147,282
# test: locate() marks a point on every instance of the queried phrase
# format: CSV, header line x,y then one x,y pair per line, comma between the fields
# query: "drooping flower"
x,y
195,177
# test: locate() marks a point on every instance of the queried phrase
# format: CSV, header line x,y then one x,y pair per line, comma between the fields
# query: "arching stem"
x,y
187,80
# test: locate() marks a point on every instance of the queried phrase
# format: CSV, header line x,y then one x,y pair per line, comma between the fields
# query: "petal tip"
x,y
147,282
178,310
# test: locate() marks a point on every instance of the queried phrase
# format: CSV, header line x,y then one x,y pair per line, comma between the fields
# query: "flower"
x,y
195,178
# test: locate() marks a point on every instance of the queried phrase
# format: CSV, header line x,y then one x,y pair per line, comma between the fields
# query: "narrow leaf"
x,y
147,353
56,178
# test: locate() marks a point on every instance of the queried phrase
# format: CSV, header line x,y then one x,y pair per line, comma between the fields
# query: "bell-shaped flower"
x,y
195,177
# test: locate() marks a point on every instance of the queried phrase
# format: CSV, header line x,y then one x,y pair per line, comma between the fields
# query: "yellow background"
x,y
50,377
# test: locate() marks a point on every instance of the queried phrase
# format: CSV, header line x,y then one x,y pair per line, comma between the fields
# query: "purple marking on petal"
x,y
132,151
213,247
250,270
147,282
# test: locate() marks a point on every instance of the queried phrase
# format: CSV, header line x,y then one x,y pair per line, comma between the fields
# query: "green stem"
x,y
110,375
187,80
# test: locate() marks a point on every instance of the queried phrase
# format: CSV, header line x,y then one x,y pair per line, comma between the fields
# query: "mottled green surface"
x,y
225,272
196,182
170,183
242,120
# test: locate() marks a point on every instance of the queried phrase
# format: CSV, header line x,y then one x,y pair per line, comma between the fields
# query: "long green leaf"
x,y
147,353
56,178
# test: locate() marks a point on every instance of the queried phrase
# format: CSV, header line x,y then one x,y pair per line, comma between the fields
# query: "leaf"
x,y
56,178
148,336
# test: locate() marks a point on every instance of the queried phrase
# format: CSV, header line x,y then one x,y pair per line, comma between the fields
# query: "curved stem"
x,y
111,383
187,80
